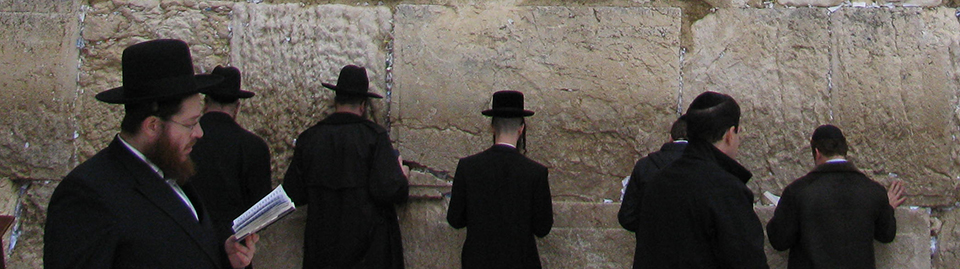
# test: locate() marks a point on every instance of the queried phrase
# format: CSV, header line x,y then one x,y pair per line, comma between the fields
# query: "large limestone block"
x,y
28,252
109,27
947,253
40,6
775,63
910,249
428,240
281,244
603,82
894,93
286,51
37,93
587,235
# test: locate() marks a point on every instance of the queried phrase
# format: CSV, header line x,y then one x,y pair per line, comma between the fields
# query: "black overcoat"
x,y
346,171
113,211
698,213
830,217
503,198
233,170
642,171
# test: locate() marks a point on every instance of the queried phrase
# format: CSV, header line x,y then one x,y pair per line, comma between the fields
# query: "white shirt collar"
x,y
141,156
507,144
837,160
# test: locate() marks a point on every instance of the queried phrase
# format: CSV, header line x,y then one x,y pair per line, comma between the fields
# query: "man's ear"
x,y
728,136
151,127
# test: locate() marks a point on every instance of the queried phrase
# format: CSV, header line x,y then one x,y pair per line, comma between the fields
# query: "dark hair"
x,y
507,125
710,115
679,130
829,147
349,99
829,140
136,113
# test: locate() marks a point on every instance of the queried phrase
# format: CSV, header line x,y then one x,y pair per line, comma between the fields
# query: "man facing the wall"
x,y
698,212
830,217
233,164
346,171
501,196
644,169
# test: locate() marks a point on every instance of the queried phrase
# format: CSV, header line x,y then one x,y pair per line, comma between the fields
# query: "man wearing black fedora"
x,y
131,205
345,169
501,196
233,164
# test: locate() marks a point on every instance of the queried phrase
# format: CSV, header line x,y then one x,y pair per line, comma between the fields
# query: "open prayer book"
x,y
268,210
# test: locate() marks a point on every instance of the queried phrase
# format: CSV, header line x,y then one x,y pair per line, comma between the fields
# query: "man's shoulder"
x,y
491,155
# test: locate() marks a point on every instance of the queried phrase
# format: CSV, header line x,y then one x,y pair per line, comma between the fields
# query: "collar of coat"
x,y
674,146
505,148
846,166
705,150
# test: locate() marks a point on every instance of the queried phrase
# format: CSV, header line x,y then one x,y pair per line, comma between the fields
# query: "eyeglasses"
x,y
188,126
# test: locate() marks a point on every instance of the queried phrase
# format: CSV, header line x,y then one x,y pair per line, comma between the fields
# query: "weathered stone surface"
x,y
886,76
8,203
911,248
587,235
40,6
28,253
947,253
286,51
894,93
109,27
281,244
602,81
735,3
428,240
37,92
911,3
808,3
775,63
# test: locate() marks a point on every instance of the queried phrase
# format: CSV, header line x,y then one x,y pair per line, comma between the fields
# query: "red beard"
x,y
166,155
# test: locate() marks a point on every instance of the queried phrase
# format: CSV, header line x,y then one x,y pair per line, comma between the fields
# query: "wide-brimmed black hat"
x,y
507,104
229,88
352,81
156,70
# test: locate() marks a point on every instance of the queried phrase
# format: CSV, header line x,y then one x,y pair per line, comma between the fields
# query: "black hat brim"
x,y
334,88
116,96
507,113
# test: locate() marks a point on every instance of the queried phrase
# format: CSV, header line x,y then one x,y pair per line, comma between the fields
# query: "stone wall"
x,y
606,80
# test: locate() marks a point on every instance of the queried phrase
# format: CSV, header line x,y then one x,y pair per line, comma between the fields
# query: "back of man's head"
x,y
679,130
829,140
710,115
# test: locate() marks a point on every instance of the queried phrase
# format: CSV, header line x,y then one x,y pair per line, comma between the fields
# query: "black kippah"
x,y
827,131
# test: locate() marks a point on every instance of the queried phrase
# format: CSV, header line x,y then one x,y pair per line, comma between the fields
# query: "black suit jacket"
x,y
830,217
233,170
113,211
346,171
642,171
698,213
503,198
